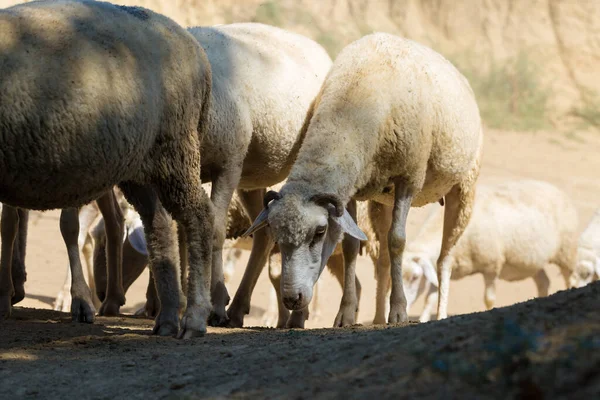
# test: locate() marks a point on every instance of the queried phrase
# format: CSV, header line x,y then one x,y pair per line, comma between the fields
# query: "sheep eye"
x,y
320,231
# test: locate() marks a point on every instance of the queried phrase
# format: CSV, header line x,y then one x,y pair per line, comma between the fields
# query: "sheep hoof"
x,y
63,301
379,320
5,307
109,308
19,294
296,320
166,323
192,324
346,316
218,318
397,314
220,299
150,309
236,318
82,310
165,329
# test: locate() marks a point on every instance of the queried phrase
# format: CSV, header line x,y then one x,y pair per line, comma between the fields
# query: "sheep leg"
x,y
87,215
229,266
184,197
282,313
458,208
151,307
82,305
349,305
162,251
542,282
19,275
335,264
87,249
114,228
490,290
381,219
222,191
262,245
183,256
396,242
430,301
63,298
297,319
9,226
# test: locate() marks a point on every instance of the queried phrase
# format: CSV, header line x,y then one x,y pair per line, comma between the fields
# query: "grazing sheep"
x,y
516,230
396,123
264,80
588,254
97,95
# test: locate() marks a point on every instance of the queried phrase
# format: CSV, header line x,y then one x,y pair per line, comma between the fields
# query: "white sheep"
x,y
264,80
588,254
97,95
396,123
517,229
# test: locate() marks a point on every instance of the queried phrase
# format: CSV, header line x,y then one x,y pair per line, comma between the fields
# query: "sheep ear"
x,y
428,270
260,222
137,239
346,222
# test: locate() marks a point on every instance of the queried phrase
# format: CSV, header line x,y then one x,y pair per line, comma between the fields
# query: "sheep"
x,y
516,230
264,80
395,123
99,95
588,254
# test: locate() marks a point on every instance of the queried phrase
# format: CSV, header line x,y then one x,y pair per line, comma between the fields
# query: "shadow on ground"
x,y
543,348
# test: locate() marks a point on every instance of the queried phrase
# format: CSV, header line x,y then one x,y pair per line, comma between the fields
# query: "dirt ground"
x,y
542,348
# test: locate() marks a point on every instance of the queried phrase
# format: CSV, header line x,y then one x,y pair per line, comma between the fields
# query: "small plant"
x,y
589,111
511,95
270,13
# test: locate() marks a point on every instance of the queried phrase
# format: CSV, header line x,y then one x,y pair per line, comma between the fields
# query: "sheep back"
x,y
93,94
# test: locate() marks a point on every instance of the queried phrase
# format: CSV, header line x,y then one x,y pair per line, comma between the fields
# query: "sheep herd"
x,y
165,146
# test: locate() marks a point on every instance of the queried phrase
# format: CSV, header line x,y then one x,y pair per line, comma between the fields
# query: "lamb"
x,y
516,230
264,80
394,123
99,95
588,254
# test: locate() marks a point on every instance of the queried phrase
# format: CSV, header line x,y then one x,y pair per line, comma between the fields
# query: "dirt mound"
x,y
544,348
532,64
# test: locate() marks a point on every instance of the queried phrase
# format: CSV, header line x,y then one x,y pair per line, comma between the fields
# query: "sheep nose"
x,y
292,302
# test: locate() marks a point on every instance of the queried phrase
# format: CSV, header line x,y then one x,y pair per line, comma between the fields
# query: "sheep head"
x,y
415,267
586,270
307,230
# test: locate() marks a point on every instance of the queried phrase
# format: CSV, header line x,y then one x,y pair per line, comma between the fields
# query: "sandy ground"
x,y
45,355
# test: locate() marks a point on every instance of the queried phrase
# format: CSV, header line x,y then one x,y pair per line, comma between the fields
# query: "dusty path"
x,y
544,348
